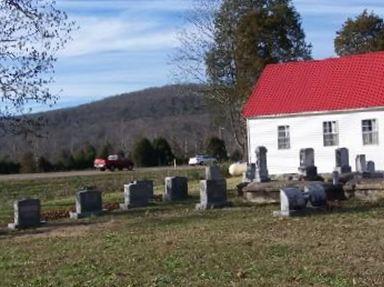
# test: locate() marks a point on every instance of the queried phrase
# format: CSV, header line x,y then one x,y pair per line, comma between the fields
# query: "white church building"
x,y
324,105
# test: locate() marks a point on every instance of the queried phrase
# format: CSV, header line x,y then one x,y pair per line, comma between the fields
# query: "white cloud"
x,y
99,35
133,5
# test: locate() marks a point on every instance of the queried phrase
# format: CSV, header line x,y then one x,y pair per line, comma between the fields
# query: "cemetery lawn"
x,y
174,245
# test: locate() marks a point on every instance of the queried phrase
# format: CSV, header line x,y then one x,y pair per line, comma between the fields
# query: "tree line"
x,y
145,153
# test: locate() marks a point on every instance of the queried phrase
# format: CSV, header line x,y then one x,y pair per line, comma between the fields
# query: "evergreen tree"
x,y
363,34
66,161
216,148
163,151
144,154
44,165
246,35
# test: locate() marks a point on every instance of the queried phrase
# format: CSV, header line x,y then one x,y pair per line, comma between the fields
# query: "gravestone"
x,y
88,203
137,194
316,194
292,201
26,214
371,167
250,173
342,161
361,163
213,172
176,188
307,168
261,170
335,178
213,194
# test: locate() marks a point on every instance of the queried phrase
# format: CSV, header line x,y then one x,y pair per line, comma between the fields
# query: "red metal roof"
x,y
352,82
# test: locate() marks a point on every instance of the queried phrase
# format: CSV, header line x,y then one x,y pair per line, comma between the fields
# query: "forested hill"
x,y
177,112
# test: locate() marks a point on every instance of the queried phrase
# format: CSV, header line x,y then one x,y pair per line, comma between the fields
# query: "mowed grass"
x,y
174,245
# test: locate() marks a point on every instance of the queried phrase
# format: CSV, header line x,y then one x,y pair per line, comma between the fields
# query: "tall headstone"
x,y
213,194
26,214
342,161
292,200
88,203
371,167
176,188
137,194
307,168
361,163
261,170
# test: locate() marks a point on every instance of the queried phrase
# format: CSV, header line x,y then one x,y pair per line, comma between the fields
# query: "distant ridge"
x,y
176,112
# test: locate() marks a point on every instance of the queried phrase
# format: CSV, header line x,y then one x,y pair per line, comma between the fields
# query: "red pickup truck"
x,y
113,162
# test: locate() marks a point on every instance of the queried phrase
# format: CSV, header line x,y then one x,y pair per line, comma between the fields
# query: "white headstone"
x,y
361,163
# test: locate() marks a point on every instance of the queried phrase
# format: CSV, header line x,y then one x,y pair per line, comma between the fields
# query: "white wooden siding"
x,y
307,132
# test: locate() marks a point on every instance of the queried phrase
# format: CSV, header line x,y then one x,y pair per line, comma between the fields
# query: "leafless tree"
x,y
31,33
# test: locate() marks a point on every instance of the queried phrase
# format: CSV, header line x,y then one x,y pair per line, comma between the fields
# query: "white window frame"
x,y
330,133
370,131
283,137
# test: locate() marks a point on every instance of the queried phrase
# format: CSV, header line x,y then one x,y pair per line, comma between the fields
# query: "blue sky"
x,y
125,45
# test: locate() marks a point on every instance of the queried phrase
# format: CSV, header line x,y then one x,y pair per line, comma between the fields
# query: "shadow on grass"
x,y
5,233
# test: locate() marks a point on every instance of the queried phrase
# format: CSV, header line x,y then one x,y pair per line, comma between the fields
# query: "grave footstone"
x,y
307,168
137,194
342,161
361,163
292,201
26,214
261,170
176,188
88,203
213,194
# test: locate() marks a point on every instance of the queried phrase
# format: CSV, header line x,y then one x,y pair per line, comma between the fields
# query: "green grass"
x,y
174,245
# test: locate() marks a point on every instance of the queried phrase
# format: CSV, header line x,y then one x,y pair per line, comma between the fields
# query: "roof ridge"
x,y
350,82
329,59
